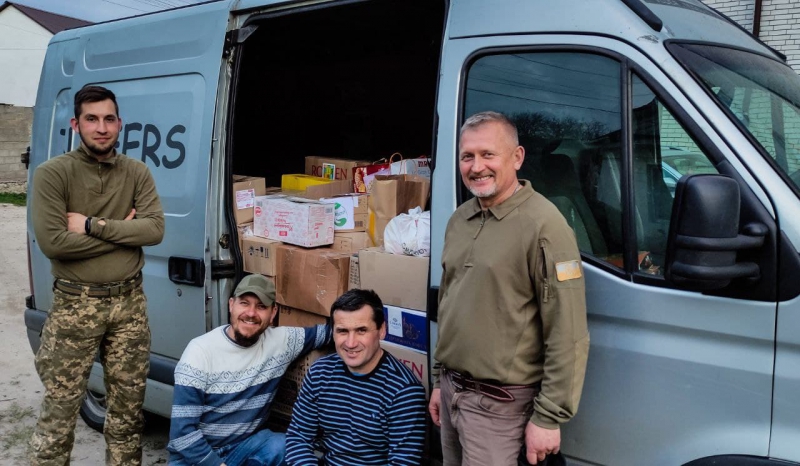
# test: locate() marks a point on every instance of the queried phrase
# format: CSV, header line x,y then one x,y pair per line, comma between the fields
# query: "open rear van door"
x,y
164,69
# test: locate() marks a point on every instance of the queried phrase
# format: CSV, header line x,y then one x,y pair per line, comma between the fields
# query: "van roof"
x,y
682,19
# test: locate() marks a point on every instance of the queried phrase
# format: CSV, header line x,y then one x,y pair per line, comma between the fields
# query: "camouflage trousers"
x,y
75,329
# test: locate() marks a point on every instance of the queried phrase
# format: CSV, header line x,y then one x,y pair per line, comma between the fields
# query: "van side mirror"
x,y
704,235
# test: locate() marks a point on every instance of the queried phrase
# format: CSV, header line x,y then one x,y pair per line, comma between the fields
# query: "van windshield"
x,y
763,94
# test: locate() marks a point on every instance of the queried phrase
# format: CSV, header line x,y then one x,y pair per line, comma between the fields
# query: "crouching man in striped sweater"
x,y
360,406
227,378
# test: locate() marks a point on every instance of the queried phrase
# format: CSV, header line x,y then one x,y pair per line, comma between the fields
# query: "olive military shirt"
x,y
512,305
108,190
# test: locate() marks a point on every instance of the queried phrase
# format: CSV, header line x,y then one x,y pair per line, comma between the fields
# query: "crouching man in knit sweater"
x,y
360,406
226,380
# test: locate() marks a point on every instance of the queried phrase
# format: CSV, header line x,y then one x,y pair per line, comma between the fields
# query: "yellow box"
x,y
299,182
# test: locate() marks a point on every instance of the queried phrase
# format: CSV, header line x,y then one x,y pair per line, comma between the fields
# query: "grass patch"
x,y
18,437
13,198
15,413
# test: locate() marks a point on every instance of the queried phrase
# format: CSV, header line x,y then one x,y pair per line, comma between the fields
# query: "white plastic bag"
x,y
409,234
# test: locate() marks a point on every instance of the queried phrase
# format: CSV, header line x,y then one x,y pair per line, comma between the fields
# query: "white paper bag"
x,y
409,234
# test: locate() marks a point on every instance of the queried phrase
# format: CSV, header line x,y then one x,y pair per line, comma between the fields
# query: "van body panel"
x,y
689,20
166,87
786,402
661,359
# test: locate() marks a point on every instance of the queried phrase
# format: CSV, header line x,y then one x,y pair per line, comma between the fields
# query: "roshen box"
x,y
399,280
293,220
291,317
292,380
310,279
245,190
259,255
406,327
351,212
351,242
342,168
415,360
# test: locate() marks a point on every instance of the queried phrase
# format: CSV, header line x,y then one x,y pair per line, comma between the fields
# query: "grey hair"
x,y
482,118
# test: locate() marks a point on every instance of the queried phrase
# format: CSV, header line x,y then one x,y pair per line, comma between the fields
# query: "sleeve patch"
x,y
568,270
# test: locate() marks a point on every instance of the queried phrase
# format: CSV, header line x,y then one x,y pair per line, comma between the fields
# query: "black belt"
x,y
497,391
95,291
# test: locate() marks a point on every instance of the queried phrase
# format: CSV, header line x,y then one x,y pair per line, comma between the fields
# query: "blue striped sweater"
x,y
372,419
223,391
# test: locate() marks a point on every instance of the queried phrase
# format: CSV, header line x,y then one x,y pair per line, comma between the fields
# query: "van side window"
x,y
567,108
663,152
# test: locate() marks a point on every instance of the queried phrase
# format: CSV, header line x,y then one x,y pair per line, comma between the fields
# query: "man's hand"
x,y
131,215
435,405
540,441
76,223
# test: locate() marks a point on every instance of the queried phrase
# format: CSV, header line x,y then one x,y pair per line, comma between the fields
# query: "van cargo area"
x,y
353,81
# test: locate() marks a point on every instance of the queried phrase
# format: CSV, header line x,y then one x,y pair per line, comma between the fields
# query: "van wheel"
x,y
93,410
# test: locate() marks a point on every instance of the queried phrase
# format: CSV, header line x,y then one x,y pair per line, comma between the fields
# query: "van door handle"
x,y
187,271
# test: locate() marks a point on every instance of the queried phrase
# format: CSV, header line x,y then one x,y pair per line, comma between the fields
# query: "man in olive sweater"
x,y
93,209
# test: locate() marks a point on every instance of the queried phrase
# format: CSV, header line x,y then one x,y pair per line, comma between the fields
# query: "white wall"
x,y
22,47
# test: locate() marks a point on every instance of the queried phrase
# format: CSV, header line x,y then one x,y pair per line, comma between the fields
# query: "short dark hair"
x,y
355,299
90,94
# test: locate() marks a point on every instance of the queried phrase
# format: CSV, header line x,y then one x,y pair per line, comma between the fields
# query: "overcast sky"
x,y
102,10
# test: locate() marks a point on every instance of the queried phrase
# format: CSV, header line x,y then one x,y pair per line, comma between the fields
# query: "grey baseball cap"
x,y
260,286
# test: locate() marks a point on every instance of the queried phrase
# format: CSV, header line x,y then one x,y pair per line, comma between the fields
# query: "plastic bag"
x,y
409,234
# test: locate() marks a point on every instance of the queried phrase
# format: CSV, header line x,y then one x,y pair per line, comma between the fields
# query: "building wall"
x,y
23,44
15,136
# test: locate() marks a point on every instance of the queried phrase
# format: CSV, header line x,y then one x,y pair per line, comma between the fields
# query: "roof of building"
x,y
50,21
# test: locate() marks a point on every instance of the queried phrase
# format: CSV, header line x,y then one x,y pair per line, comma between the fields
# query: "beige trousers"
x,y
478,430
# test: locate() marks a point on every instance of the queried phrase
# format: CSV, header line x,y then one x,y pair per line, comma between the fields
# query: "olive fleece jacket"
x,y
512,305
108,190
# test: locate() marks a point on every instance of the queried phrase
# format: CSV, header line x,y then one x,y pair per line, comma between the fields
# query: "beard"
x,y
98,150
486,192
245,341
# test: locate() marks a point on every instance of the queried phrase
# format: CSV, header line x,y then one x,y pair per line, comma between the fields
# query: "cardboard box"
x,y
292,380
293,220
243,231
299,182
351,212
342,168
291,317
399,280
245,190
417,361
406,327
320,191
351,242
259,255
310,279
355,277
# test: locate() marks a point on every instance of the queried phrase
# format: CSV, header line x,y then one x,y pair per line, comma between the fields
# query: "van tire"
x,y
93,410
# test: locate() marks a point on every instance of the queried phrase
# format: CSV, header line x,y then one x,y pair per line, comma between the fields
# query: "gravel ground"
x,y
20,388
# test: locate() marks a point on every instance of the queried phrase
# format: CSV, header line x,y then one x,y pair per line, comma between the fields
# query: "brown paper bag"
x,y
391,195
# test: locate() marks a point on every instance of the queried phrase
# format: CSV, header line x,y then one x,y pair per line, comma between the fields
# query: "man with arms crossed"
x,y
226,380
513,340
360,406
93,209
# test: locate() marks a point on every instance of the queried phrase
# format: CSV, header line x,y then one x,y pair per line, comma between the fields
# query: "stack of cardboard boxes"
x,y
310,237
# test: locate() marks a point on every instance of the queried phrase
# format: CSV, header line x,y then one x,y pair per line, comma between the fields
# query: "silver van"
x,y
667,136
